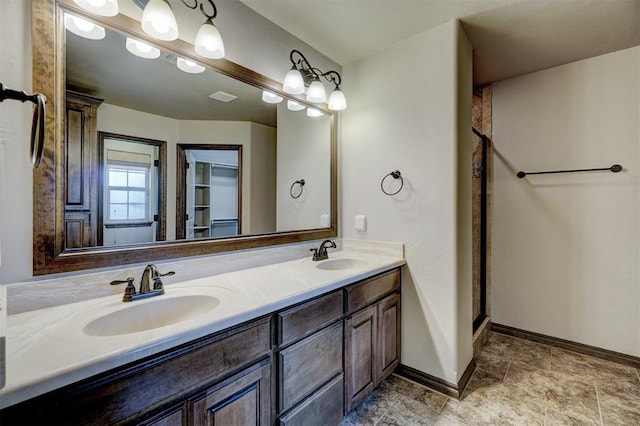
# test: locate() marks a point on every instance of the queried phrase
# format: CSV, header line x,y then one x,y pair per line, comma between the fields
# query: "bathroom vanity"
x,y
302,353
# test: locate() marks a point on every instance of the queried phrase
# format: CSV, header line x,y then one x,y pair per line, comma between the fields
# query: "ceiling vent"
x,y
223,96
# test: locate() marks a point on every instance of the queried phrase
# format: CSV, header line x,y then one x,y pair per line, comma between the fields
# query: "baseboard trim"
x,y
581,348
435,383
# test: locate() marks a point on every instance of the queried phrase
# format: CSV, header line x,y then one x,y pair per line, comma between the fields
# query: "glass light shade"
x,y
141,49
189,66
271,98
294,106
158,20
99,7
316,92
209,42
83,28
312,112
337,101
293,82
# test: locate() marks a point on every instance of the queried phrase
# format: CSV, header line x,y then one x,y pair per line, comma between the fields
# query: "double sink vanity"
x,y
297,342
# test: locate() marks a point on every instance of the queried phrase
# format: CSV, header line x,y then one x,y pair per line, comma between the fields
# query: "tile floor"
x,y
516,382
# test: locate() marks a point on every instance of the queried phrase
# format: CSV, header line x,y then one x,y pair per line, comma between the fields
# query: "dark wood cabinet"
x,y
244,399
372,335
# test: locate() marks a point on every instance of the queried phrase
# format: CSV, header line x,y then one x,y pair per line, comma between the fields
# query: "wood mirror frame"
x,y
49,253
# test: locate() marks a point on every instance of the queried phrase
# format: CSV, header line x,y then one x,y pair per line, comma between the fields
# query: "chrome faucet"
x,y
321,252
149,275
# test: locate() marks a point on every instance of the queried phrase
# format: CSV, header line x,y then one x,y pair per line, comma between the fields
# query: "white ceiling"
x,y
510,37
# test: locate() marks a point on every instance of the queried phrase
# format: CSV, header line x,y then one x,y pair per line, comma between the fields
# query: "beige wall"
x,y
566,247
410,109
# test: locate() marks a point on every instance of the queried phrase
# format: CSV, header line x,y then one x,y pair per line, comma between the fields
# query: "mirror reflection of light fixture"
x,y
271,98
99,7
143,50
294,106
189,66
83,28
303,74
312,112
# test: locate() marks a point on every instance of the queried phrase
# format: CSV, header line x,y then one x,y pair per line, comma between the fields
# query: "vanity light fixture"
x,y
99,7
294,106
142,50
83,28
189,66
208,40
158,20
271,98
303,74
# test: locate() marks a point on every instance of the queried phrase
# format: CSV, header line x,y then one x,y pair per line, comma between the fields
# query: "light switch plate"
x,y
361,223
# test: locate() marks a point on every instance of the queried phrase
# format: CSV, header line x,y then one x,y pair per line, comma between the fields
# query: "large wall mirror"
x,y
174,155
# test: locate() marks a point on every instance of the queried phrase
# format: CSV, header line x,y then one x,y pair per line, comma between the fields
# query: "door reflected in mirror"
x,y
211,196
131,190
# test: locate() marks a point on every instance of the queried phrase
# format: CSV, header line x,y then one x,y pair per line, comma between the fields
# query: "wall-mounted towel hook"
x,y
37,122
396,175
300,183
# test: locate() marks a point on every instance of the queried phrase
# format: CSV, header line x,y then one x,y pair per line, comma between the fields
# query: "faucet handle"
x,y
127,281
316,257
129,291
157,282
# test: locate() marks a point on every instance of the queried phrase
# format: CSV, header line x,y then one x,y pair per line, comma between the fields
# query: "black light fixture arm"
x,y
310,73
195,5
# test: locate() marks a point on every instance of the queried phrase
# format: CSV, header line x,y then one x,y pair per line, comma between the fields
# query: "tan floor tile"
x,y
371,410
409,412
592,370
614,415
414,391
553,418
512,348
620,395
494,412
493,365
551,390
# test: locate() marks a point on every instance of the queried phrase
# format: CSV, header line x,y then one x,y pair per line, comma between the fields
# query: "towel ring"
x,y
396,175
298,182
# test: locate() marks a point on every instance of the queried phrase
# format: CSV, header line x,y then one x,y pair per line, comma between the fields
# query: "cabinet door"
x,y
173,417
388,336
244,399
360,357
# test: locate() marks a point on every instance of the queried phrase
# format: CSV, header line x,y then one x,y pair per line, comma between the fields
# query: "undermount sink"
x,y
151,314
340,264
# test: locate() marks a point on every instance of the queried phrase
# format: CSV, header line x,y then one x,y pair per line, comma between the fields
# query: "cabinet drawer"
x,y
308,317
308,364
368,291
323,408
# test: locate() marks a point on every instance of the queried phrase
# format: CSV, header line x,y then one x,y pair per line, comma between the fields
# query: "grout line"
x,y
385,412
638,374
546,411
599,407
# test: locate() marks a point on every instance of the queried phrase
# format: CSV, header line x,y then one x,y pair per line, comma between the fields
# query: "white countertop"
x,y
48,349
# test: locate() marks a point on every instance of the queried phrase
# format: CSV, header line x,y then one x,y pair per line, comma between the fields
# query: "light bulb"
x,y
316,92
100,7
209,42
337,101
293,82
271,98
142,50
83,28
294,106
158,21
189,66
312,112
